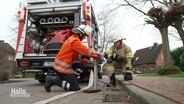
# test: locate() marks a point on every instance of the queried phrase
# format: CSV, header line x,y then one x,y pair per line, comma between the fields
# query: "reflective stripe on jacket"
x,y
62,67
69,53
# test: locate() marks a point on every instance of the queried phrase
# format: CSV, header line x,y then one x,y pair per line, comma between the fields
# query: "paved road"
x,y
37,94
32,91
97,97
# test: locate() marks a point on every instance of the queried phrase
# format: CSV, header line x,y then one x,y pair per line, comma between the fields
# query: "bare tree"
x,y
162,23
107,26
176,12
172,15
158,17
13,28
172,33
173,12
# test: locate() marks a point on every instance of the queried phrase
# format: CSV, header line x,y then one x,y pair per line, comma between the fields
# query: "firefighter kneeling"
x,y
119,58
67,82
65,65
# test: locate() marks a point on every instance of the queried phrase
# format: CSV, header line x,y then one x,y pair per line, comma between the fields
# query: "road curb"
x,y
137,99
142,96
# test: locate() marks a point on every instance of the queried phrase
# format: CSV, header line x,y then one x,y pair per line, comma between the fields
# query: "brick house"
x,y
7,55
147,59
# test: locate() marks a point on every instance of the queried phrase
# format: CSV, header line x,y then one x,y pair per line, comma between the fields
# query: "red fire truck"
x,y
43,26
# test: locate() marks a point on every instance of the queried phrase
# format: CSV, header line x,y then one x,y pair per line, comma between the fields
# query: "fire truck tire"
x,y
41,81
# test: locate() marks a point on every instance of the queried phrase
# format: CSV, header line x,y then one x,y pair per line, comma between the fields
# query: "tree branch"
x,y
119,5
164,2
172,35
129,4
152,3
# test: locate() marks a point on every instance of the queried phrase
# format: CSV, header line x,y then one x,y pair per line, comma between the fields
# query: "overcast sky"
x,y
8,9
130,25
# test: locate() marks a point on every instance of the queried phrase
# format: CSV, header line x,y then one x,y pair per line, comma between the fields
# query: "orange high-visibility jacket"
x,y
69,53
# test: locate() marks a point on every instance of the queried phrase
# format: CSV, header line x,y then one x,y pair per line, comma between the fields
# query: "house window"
x,y
152,67
136,58
162,56
10,57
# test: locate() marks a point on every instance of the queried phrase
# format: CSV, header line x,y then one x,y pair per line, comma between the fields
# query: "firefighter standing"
x,y
119,58
67,55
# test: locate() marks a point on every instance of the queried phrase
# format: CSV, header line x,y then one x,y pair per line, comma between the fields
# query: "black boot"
x,y
48,83
113,80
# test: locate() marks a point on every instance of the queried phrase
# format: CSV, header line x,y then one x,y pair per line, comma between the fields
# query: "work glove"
x,y
78,71
78,67
98,57
107,56
109,60
129,68
118,58
84,56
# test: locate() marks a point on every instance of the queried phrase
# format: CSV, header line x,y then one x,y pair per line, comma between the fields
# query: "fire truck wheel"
x,y
41,81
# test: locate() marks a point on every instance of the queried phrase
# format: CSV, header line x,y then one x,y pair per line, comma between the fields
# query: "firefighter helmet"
x,y
84,29
117,38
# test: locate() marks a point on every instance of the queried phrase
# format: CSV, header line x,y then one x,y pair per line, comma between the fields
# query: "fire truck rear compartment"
x,y
46,33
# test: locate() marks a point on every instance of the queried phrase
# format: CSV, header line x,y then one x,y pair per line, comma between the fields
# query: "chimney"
x,y
155,44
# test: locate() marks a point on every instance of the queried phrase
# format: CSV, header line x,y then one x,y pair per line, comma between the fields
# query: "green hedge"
x,y
4,75
166,70
178,57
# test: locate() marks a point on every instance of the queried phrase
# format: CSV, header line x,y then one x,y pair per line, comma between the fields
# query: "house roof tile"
x,y
146,55
5,47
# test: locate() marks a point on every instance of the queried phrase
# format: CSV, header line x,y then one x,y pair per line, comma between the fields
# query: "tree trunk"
x,y
165,45
178,26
